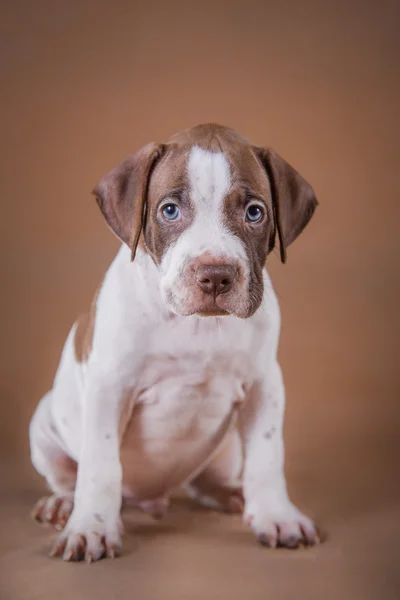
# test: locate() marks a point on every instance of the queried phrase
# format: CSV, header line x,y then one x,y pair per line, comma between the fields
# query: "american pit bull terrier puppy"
x,y
172,379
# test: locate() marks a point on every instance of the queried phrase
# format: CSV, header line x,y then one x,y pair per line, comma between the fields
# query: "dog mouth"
x,y
205,305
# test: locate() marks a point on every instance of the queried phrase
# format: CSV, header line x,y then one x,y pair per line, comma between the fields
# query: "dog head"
x,y
207,206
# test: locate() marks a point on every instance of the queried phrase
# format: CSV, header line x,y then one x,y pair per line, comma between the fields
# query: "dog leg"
x,y
94,528
52,462
268,509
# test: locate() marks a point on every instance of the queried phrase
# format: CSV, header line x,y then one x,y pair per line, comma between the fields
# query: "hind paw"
x,y
54,510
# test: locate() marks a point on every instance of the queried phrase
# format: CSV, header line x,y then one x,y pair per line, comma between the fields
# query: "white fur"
x,y
179,384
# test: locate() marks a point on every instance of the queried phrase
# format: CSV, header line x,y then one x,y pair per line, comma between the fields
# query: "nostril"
x,y
215,279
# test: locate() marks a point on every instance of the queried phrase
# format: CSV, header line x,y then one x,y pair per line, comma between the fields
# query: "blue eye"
x,y
254,213
171,212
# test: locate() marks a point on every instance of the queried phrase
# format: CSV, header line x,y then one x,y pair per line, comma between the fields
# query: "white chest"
x,y
188,394
184,406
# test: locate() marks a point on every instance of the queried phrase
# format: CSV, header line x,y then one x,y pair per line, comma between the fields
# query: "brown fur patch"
x,y
168,181
84,331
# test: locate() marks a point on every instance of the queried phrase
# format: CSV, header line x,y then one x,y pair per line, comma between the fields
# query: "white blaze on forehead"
x,y
209,178
209,181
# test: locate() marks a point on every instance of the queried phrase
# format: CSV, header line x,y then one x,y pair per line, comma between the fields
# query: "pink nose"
x,y
215,279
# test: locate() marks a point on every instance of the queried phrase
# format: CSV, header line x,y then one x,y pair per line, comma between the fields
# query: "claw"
x,y
89,546
310,536
57,548
68,555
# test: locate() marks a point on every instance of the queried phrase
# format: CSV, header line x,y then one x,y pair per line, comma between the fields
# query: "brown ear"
x,y
293,198
121,194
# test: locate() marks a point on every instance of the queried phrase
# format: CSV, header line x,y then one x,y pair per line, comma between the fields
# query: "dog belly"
x,y
161,451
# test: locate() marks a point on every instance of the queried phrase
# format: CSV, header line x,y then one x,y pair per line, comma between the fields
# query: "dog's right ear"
x,y
122,193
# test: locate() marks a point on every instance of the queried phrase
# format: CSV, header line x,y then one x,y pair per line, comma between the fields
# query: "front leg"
x,y
94,528
268,509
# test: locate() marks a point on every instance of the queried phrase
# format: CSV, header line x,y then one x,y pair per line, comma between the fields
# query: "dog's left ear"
x,y
293,198
122,193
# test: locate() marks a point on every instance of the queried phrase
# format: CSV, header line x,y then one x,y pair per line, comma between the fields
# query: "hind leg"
x,y
219,486
51,460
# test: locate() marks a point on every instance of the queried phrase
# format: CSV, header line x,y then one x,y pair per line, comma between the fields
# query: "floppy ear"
x,y
121,194
293,198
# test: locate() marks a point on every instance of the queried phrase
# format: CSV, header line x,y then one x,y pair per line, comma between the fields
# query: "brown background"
x,y
85,83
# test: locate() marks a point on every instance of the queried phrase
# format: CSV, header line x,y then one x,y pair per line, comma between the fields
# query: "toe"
x,y
50,511
53,510
113,549
113,544
290,535
64,512
309,532
75,548
95,546
37,512
270,540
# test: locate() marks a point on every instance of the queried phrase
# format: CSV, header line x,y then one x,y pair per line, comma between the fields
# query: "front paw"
x,y
89,539
280,525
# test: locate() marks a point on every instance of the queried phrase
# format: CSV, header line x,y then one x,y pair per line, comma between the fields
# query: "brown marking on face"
x,y
255,239
169,178
168,184
249,184
84,331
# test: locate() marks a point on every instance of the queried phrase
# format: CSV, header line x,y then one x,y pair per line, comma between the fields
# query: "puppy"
x,y
172,379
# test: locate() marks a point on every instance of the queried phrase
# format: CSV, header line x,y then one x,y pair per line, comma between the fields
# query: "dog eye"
x,y
171,212
254,213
